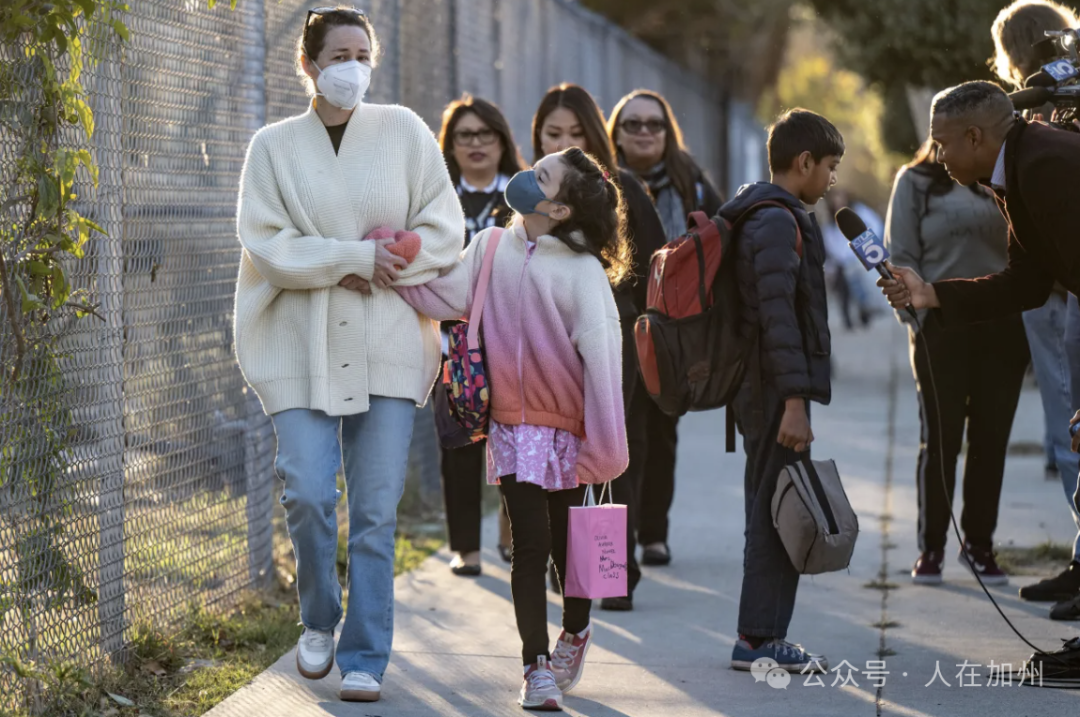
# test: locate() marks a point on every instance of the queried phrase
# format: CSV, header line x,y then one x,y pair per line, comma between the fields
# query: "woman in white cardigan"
x,y
338,359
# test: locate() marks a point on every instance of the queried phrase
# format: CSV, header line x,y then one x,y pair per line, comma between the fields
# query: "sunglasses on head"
x,y
326,11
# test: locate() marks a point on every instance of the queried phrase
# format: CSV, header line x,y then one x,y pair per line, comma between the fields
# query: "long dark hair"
x,y
511,162
927,164
578,100
598,214
681,167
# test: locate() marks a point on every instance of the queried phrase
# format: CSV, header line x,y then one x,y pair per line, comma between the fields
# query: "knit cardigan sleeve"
x,y
604,454
281,253
434,208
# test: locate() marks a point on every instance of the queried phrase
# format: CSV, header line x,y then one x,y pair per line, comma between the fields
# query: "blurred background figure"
x,y
848,278
649,143
568,116
481,155
946,231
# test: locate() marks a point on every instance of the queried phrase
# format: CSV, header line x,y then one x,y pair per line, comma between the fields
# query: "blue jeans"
x,y
1072,353
1045,329
375,450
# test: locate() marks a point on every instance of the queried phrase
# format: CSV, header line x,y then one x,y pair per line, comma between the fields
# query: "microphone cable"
x,y
1037,664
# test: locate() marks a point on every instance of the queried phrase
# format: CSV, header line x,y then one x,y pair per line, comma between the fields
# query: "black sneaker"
x,y
1066,610
617,604
979,559
656,554
1064,586
1055,669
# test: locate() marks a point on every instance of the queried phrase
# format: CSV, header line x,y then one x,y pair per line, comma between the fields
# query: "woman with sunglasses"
x,y
568,116
480,152
338,359
649,142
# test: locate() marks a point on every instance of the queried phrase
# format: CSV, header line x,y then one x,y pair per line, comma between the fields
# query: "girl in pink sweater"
x,y
552,344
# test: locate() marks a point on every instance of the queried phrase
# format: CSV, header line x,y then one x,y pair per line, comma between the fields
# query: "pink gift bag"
x,y
596,550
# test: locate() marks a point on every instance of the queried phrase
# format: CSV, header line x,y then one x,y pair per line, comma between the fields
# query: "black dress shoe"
x,y
505,553
655,555
459,567
1066,610
1056,669
1064,586
617,604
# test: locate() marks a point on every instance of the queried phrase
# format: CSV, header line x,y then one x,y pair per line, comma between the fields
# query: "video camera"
x,y
1058,82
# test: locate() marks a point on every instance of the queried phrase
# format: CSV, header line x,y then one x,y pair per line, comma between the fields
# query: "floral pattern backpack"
x,y
463,401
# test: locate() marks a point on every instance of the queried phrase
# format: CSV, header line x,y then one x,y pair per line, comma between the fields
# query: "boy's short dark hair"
x,y
797,131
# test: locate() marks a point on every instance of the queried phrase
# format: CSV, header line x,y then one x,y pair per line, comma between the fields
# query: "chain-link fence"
x,y
162,473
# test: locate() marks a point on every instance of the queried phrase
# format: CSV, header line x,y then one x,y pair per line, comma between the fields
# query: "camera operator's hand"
x,y
908,290
1076,438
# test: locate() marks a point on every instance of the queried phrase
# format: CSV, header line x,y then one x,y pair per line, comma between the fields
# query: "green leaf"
x,y
120,700
86,116
38,268
61,290
121,30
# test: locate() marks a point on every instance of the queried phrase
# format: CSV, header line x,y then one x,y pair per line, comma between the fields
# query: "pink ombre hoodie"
x,y
551,341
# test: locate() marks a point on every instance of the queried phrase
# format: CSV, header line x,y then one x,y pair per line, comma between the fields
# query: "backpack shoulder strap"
x,y
482,287
772,202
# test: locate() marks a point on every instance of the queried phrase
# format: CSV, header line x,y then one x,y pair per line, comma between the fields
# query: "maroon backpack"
x,y
691,343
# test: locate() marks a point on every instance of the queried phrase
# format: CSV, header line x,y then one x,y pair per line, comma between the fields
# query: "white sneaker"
x,y
360,687
315,654
539,691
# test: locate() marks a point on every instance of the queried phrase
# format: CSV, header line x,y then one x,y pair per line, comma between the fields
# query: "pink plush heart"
x,y
406,244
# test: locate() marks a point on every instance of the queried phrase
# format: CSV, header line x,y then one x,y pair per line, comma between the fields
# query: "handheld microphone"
x,y
1042,78
867,246
1031,98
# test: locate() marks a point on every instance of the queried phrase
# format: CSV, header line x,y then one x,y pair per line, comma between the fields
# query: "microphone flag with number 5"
x,y
864,242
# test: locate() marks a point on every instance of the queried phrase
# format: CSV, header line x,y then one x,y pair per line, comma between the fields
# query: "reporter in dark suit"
x,y
1034,170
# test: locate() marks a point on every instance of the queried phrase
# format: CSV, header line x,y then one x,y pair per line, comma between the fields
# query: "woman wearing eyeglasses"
x,y
338,359
568,116
649,142
480,152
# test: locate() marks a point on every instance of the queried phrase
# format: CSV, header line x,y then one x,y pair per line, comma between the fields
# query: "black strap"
x,y
730,438
702,294
819,493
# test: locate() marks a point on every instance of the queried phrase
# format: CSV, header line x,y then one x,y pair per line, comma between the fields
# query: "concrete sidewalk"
x,y
457,649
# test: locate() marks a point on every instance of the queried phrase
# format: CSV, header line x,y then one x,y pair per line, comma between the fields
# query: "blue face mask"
x,y
523,193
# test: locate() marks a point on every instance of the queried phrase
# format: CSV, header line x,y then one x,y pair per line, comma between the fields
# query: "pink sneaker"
x,y
568,658
539,691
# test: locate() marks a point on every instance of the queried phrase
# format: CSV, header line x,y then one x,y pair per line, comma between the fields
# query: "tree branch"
x,y
13,318
86,308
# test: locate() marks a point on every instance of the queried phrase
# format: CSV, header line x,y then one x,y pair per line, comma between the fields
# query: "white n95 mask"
x,y
344,84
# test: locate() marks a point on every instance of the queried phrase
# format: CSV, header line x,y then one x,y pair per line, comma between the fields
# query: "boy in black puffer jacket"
x,y
783,295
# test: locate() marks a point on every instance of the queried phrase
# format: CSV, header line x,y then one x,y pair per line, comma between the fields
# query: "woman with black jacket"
x,y
481,155
649,142
568,116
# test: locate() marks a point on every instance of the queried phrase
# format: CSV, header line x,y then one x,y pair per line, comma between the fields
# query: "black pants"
x,y
770,581
538,525
658,470
626,489
463,481
978,373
